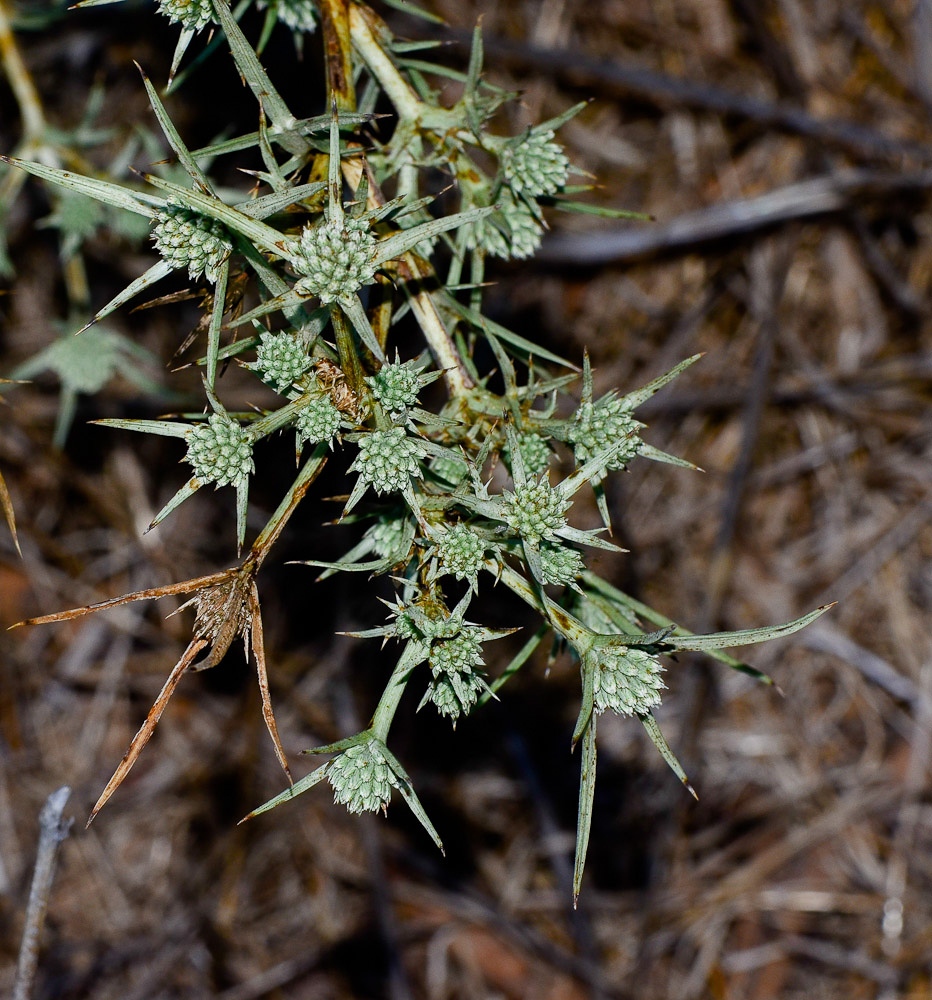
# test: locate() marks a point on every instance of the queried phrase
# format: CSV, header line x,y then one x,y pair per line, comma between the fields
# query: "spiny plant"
x,y
338,241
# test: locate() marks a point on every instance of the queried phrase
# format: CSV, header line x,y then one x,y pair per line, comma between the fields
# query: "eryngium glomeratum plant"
x,y
337,241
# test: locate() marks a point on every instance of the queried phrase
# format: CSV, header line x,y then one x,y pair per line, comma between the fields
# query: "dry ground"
x,y
785,151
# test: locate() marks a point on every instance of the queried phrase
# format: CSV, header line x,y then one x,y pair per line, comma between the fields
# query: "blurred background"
x,y
783,150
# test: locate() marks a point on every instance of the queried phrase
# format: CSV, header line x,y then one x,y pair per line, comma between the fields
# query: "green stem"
x,y
406,102
388,703
269,534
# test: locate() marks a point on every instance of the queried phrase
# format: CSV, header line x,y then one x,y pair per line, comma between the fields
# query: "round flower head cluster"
x,y
456,683
536,510
361,778
335,260
318,420
627,681
395,386
535,166
299,15
560,564
387,536
220,452
534,453
186,239
453,656
449,468
461,552
281,359
598,425
513,232
428,622
387,459
192,15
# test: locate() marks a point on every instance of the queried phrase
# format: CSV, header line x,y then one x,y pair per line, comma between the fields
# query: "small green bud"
x,y
192,15
281,358
449,468
387,459
335,260
318,420
534,453
299,15
598,425
513,232
627,681
535,510
388,536
220,452
455,686
395,386
186,239
536,165
461,552
361,778
560,564
462,652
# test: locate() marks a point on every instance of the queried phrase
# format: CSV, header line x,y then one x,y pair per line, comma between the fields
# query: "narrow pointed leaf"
x,y
103,191
216,323
272,204
181,46
503,333
164,428
159,270
634,399
6,504
255,75
308,781
656,455
174,139
587,770
401,242
189,489
744,637
357,316
660,742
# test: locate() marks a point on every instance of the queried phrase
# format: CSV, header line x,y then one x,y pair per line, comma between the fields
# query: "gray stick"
x,y
52,831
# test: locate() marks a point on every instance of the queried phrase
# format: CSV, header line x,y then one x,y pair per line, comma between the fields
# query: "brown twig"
x,y
52,831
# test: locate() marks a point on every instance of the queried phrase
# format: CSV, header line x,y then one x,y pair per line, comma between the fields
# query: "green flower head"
x,y
536,510
186,239
388,459
362,778
220,452
281,359
628,681
192,15
335,259
536,165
